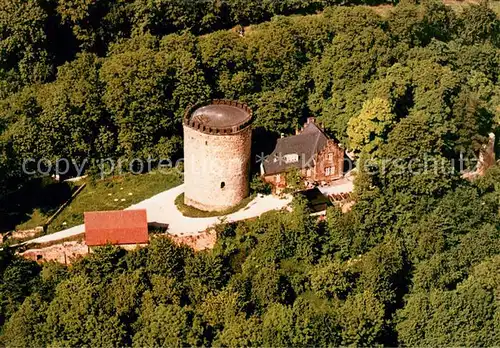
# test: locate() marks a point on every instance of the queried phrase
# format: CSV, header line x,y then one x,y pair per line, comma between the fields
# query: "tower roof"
x,y
218,116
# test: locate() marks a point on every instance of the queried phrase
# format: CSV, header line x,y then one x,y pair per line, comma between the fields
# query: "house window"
x,y
328,171
330,156
222,185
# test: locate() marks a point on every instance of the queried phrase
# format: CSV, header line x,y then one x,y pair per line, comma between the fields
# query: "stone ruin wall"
x,y
65,252
68,252
487,155
202,241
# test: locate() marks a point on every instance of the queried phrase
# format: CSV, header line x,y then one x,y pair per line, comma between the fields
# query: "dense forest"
x,y
125,97
426,273
415,262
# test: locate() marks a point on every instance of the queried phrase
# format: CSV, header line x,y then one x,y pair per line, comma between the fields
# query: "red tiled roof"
x,y
116,227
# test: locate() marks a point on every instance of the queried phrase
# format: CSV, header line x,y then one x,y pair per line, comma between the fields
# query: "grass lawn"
x,y
37,218
189,211
40,198
114,193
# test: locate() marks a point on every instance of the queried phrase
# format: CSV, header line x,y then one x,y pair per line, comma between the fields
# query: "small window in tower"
x,y
206,142
222,185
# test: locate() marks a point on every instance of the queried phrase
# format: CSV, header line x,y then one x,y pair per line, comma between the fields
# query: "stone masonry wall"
x,y
65,252
216,168
323,161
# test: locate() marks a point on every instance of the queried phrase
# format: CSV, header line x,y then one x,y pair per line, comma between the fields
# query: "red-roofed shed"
x,y
119,227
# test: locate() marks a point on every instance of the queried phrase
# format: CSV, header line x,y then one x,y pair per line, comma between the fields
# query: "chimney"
x,y
297,130
282,135
311,120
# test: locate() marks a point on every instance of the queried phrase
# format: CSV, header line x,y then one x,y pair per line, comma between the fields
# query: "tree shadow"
x,y
43,194
263,144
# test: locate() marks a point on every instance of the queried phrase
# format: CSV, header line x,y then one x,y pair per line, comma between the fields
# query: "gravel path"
x,y
161,209
70,232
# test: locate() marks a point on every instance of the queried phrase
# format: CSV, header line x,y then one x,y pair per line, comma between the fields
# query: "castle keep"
x,y
217,147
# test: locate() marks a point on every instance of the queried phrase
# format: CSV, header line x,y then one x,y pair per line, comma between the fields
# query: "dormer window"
x,y
291,158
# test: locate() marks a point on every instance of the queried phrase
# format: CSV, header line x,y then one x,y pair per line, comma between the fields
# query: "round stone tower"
x,y
217,145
